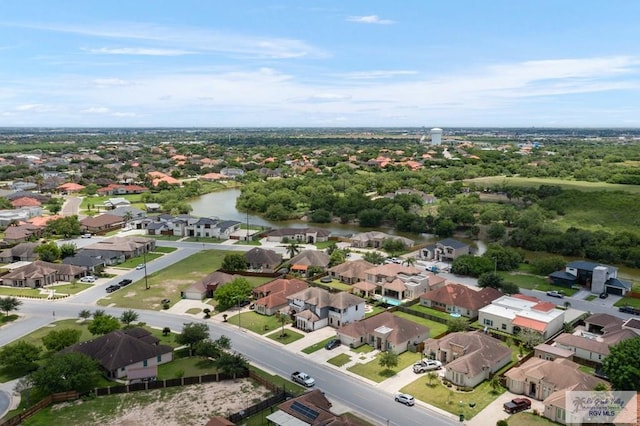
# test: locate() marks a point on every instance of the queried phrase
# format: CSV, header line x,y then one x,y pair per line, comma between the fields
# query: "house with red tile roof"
x,y
70,187
511,314
157,177
460,299
272,296
25,202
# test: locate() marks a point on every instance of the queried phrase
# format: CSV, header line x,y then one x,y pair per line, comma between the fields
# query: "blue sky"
x,y
332,63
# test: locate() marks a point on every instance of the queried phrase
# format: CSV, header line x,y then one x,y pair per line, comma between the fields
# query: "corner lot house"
x,y
596,277
101,224
460,299
263,260
124,351
315,308
127,246
514,313
39,274
445,250
385,332
470,358
207,286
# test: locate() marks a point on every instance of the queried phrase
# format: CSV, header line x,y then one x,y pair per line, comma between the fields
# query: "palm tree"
x,y
127,217
410,261
292,249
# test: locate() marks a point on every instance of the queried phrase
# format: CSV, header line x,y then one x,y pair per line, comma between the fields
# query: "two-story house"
x,y
446,250
315,308
596,277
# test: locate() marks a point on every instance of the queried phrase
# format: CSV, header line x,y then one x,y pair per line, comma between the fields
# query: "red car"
x,y
516,405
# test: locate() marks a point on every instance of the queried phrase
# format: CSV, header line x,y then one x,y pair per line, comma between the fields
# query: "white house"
x,y
514,313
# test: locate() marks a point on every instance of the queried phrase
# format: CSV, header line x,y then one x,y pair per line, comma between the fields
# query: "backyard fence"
x,y
40,405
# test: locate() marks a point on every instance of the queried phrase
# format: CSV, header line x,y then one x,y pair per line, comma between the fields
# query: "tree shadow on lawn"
x,y
387,372
205,363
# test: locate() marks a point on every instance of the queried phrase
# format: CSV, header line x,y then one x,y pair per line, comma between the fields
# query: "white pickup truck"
x,y
303,379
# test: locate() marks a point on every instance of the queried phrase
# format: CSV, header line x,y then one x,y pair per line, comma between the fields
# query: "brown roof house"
x,y
272,296
538,378
311,408
263,260
207,286
460,299
126,353
470,358
376,239
315,308
301,262
129,246
102,223
402,282
385,332
301,235
601,331
24,252
39,274
22,233
351,272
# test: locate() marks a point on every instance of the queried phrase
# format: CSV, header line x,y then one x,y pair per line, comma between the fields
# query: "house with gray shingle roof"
x,y
315,308
470,357
385,332
263,260
446,250
124,351
39,274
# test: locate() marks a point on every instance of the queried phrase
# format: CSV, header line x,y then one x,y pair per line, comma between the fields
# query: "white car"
x,y
88,279
405,398
140,266
426,365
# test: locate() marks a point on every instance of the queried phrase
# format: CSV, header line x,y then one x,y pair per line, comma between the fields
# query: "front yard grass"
x,y
316,346
260,324
590,297
529,419
338,285
160,249
363,349
289,336
19,292
204,240
435,328
72,288
135,261
451,400
430,311
373,371
628,301
279,381
534,282
186,367
339,360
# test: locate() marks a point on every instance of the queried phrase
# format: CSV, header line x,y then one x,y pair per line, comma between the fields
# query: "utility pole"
x,y
144,259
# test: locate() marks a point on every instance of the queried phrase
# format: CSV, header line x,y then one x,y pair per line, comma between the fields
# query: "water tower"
x,y
436,136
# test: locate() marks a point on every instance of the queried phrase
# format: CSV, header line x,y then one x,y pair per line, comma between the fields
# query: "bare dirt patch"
x,y
186,406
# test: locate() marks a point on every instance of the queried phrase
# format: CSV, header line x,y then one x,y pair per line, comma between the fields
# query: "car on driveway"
x,y
406,399
516,405
554,293
333,343
88,279
603,295
426,365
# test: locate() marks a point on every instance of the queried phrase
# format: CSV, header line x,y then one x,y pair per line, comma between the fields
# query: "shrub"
x,y
502,423
166,306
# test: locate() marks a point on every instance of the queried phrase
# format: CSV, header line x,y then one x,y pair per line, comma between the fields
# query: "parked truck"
x,y
303,379
516,405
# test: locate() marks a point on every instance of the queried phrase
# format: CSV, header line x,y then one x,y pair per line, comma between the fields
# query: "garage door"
x,y
614,290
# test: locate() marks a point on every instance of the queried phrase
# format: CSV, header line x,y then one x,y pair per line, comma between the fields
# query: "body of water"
x,y
222,204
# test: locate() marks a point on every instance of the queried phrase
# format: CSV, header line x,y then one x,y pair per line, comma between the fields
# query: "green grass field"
x,y
316,346
373,371
260,324
435,328
563,183
159,249
289,336
186,367
18,292
339,360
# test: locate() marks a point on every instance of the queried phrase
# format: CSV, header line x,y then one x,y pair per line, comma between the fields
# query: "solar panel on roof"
x,y
304,410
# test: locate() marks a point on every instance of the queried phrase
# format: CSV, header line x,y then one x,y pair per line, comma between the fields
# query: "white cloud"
x,y
33,108
96,110
124,114
138,51
376,74
370,19
109,82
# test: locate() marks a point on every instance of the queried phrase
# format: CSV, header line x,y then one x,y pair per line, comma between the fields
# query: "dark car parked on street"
x,y
124,282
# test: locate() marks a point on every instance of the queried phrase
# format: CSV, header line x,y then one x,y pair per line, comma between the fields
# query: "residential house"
x,y
91,264
549,382
39,274
263,260
70,187
101,224
350,272
207,286
106,257
315,308
122,352
112,203
385,332
25,202
128,246
402,282
300,235
514,313
129,213
459,299
376,239
22,233
302,261
310,409
470,357
551,352
272,296
20,252
446,250
11,217
591,343
158,177
596,277
118,189
232,172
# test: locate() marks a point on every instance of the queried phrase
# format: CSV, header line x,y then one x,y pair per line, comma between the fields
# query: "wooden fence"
x,y
40,405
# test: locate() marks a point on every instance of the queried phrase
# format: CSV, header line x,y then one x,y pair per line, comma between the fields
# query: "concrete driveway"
x,y
494,411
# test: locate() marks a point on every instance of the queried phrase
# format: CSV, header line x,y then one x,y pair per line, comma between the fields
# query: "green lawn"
x,y
316,346
591,297
339,360
70,288
135,261
362,349
534,282
373,371
159,249
18,292
628,301
435,328
290,336
186,367
4,318
426,310
449,399
164,237
565,184
204,240
529,419
167,283
260,324
279,381
338,285
375,310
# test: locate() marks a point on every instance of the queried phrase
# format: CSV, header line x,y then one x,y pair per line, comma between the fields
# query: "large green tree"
x,y
67,250
128,317
192,334
103,324
388,359
56,340
232,293
20,357
622,365
233,262
66,372
66,227
48,252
